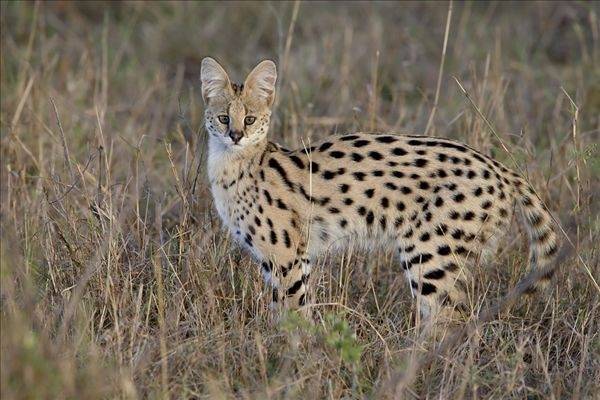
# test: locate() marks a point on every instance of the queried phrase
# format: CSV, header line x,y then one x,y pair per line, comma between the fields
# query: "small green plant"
x,y
335,332
339,336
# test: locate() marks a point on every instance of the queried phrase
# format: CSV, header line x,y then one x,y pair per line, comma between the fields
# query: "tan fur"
x,y
438,203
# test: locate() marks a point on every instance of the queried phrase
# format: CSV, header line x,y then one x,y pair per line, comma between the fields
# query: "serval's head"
x,y
238,115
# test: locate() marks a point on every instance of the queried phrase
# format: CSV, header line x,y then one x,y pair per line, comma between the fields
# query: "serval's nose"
x,y
236,136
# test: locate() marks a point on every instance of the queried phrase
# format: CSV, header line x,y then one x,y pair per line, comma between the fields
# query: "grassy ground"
x,y
116,278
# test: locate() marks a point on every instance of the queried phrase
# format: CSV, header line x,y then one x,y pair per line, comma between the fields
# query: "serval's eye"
x,y
224,119
249,120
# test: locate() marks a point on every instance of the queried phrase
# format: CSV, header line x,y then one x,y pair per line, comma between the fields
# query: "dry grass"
x,y
116,279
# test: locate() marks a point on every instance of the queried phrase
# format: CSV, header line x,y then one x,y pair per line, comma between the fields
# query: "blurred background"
x,y
116,280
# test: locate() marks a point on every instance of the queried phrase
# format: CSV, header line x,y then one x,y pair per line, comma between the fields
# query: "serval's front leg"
x,y
288,278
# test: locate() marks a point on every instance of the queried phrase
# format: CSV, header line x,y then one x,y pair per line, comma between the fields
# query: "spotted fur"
x,y
439,204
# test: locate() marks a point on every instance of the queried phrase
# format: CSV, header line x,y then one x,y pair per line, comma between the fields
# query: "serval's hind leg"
x,y
437,277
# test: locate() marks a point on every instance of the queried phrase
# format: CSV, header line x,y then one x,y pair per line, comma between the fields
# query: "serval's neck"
x,y
227,161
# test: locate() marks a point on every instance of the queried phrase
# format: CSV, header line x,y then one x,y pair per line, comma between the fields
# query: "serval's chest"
x,y
235,191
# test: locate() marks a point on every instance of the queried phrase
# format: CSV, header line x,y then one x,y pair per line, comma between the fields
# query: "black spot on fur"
x,y
383,222
297,161
479,158
451,267
294,289
551,250
420,162
444,250
399,151
302,300
349,137
359,176
361,143
268,196
441,229
457,233
273,163
281,205
386,139
421,258
426,288
328,175
370,218
375,155
435,274
325,146
453,146
357,157
535,220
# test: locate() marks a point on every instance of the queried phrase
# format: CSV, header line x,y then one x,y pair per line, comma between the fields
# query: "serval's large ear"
x,y
260,83
215,81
